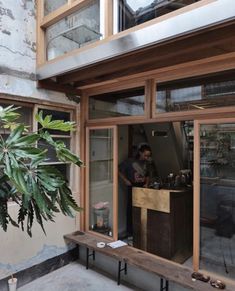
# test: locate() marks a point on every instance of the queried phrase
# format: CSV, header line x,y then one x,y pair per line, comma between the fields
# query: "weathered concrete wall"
x,y
17,78
18,51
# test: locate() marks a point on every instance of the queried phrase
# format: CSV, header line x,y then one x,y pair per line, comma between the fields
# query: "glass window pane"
x,y
51,153
199,95
101,181
52,5
120,103
217,196
25,114
134,12
74,31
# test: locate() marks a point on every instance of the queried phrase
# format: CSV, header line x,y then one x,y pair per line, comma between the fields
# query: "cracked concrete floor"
x,y
74,277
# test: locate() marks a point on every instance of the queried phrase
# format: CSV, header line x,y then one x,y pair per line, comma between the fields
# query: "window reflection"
x,y
134,12
198,95
74,31
128,102
52,5
101,181
217,217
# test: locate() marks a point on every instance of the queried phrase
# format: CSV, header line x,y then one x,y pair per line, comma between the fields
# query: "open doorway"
x,y
163,212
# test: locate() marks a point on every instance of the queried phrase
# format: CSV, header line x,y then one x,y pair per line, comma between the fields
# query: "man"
x,y
135,173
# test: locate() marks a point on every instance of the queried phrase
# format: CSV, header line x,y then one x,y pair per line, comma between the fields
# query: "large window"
x,y
74,31
134,12
101,181
64,137
217,198
197,95
128,102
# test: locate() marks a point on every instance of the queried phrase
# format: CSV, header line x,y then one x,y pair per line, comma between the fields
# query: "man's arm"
x,y
125,180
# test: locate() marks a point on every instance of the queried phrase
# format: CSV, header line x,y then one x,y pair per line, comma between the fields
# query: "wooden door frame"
x,y
115,179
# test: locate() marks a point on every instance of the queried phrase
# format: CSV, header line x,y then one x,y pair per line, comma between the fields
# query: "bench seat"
x,y
127,255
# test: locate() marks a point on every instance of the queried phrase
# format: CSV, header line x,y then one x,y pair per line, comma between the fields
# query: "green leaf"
x,y
15,135
27,140
19,180
8,114
66,155
48,123
39,190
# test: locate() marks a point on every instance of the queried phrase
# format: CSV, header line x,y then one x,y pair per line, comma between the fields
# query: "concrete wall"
x,y
17,78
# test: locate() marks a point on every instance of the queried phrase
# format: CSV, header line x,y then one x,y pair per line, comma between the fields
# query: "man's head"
x,y
144,152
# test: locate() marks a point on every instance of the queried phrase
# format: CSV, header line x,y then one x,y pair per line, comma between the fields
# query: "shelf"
x,y
79,34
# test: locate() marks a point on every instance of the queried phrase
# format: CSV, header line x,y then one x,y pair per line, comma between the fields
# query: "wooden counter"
x,y
162,222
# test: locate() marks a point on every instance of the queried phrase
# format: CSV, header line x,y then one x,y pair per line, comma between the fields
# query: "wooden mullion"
x,y
108,18
51,85
115,183
62,12
149,96
83,171
196,197
41,42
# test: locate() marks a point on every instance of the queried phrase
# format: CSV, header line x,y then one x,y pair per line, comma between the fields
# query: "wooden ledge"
x,y
150,263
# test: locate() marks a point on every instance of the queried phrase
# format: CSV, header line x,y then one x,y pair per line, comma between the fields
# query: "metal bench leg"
x,y
120,269
78,248
166,285
87,257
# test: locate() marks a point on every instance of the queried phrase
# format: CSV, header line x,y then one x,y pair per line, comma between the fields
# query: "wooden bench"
x,y
127,255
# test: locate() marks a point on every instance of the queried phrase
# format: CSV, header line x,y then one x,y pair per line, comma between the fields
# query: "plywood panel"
x,y
151,199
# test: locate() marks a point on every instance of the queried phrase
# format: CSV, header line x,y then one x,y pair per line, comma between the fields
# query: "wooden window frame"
x,y
196,188
73,5
43,22
197,116
115,182
122,119
71,137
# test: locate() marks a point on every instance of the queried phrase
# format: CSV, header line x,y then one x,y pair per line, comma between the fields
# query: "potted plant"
x,y
39,190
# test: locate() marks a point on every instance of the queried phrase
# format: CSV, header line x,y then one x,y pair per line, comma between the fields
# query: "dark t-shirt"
x,y
135,171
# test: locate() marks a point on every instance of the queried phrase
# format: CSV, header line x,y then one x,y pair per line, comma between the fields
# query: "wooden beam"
x,y
207,44
201,67
54,86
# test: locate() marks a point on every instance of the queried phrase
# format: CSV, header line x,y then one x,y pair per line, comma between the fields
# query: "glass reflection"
x,y
128,102
134,12
74,31
217,217
52,5
199,95
101,181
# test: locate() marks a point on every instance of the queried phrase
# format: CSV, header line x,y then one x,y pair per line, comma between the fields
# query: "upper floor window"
x,y
74,31
127,102
184,95
52,5
135,12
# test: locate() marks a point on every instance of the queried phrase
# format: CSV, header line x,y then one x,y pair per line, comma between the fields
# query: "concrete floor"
x,y
74,277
